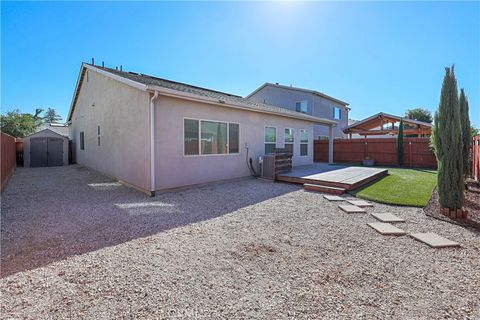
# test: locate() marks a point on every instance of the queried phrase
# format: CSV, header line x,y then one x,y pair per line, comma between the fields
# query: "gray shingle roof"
x,y
217,95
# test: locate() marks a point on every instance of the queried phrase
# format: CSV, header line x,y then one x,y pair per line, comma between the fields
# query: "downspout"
x,y
152,144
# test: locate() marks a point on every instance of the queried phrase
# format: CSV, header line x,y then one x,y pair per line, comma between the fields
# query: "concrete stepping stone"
x,y
434,240
386,229
334,198
387,217
348,208
360,203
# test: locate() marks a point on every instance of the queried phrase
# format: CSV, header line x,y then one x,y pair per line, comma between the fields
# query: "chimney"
x,y
120,67
103,64
93,62
116,68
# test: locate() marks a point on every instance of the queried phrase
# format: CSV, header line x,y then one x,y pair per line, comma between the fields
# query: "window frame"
x,y
200,138
300,108
82,140
334,108
265,142
292,142
98,136
303,143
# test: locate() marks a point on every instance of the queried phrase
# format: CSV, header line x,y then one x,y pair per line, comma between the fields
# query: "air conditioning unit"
x,y
268,166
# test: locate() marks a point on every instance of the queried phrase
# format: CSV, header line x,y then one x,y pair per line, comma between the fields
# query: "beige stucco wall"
x,y
316,106
43,134
173,169
123,115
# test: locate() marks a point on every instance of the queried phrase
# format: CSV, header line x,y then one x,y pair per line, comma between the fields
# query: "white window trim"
x,y
293,142
300,142
200,138
264,142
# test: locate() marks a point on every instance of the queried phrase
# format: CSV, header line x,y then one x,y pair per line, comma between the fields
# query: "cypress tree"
x,y
400,144
465,122
448,143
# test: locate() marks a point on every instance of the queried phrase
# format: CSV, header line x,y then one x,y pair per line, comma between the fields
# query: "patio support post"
x,y
330,144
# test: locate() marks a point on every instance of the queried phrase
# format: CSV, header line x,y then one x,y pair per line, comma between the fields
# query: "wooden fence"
x,y
8,158
476,157
416,151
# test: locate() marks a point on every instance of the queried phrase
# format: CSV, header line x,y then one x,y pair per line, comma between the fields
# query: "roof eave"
x,y
223,103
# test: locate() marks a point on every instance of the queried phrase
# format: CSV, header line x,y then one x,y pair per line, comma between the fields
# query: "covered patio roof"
x,y
384,124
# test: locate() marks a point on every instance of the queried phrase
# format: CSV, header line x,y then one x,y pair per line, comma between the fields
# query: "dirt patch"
x,y
472,204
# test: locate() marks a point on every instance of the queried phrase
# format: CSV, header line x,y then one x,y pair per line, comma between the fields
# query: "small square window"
x,y
301,106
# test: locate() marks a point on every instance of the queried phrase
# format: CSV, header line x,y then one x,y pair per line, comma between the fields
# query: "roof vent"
x,y
276,83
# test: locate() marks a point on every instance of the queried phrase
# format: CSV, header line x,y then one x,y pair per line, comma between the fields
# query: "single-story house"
x,y
155,134
45,148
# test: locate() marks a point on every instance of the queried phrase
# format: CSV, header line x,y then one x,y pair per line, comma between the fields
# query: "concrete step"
x,y
321,188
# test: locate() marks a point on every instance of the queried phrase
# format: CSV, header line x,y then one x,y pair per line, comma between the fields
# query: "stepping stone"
x,y
434,240
351,209
386,229
334,198
387,217
360,203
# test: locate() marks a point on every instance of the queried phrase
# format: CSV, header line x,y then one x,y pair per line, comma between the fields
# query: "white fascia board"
x,y
194,97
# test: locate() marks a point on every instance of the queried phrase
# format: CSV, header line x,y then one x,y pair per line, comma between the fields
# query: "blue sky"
x,y
378,56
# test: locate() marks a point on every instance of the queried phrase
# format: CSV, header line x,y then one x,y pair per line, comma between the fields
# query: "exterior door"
x,y
38,152
55,152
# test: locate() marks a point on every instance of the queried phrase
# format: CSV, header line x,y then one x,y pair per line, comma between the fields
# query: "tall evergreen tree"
x,y
400,144
465,122
448,143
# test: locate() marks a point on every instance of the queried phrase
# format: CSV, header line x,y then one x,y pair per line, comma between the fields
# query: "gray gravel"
x,y
238,250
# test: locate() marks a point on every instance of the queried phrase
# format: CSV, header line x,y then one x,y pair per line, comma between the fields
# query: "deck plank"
x,y
345,177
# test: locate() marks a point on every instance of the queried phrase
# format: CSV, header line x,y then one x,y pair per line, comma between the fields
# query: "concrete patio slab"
x,y
360,203
434,240
387,217
334,198
386,229
351,209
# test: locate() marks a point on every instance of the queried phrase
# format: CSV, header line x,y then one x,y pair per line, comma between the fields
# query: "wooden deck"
x,y
348,178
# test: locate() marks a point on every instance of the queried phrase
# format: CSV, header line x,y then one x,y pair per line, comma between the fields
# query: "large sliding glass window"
x,y
202,137
289,140
270,139
304,142
214,137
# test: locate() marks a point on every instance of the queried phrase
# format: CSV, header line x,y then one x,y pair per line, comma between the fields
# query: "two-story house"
x,y
305,101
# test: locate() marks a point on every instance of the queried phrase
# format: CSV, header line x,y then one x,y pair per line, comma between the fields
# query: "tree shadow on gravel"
x,y
50,214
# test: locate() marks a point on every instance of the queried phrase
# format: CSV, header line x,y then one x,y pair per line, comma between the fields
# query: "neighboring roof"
x,y
56,127
58,134
146,82
276,85
369,124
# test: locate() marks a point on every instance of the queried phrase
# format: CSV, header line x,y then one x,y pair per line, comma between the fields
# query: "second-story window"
x,y
337,113
301,106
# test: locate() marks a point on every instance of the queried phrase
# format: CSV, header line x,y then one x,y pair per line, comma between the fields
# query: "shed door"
x,y
55,152
38,152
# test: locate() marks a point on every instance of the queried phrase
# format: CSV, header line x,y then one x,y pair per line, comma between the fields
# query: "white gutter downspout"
x,y
152,144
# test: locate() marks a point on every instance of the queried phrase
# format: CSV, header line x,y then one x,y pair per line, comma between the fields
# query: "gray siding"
x,y
317,106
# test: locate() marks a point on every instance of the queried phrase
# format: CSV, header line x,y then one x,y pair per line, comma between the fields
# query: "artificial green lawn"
x,y
407,187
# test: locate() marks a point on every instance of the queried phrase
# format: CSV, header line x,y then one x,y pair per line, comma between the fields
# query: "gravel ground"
x,y
73,248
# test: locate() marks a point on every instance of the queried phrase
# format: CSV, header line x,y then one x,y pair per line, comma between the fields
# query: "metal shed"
x,y
45,148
